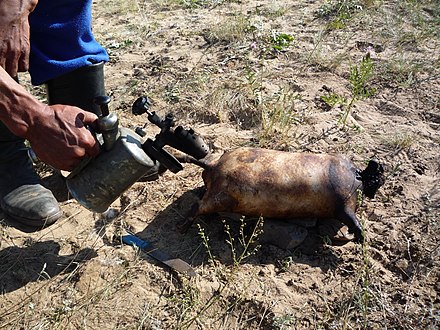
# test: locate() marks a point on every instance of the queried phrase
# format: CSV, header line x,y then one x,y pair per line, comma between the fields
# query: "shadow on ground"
x,y
38,261
164,234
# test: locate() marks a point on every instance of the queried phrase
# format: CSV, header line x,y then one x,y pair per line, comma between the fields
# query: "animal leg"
x,y
348,217
189,220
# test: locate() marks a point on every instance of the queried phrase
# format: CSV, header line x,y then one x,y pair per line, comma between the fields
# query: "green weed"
x,y
242,246
277,110
359,78
205,242
247,244
185,299
278,117
333,99
280,41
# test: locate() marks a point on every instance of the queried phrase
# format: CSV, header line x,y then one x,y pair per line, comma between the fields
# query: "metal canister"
x,y
104,178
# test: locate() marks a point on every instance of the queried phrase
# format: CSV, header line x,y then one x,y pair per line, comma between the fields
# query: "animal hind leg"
x,y
348,217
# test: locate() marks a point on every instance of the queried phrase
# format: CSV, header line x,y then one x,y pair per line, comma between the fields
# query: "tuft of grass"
x,y
403,71
185,300
234,105
277,110
284,322
234,29
273,10
356,308
338,12
401,141
278,118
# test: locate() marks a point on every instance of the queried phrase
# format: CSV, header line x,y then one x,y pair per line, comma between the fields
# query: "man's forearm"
x,y
17,106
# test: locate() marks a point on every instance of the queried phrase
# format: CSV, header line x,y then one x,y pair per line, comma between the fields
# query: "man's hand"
x,y
59,137
57,133
14,34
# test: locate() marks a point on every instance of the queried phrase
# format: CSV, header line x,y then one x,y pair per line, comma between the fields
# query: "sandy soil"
x,y
214,66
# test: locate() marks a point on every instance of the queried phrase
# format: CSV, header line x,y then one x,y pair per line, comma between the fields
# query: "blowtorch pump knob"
x,y
141,105
103,101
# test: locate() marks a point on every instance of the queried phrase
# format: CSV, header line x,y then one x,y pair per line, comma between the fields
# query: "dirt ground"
x,y
285,75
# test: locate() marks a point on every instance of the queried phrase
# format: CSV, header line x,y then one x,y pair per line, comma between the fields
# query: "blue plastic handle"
x,y
136,241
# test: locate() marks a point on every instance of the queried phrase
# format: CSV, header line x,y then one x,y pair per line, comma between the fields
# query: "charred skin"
x,y
275,184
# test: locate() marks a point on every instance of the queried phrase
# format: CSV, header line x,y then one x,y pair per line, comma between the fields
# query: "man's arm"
x,y
57,133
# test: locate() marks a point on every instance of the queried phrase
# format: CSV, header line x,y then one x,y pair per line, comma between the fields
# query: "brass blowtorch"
x,y
127,156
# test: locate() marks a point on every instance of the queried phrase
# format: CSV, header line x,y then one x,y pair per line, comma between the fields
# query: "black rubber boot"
x,y
22,197
78,88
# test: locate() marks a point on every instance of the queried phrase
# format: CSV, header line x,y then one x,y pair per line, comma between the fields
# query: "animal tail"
x,y
372,178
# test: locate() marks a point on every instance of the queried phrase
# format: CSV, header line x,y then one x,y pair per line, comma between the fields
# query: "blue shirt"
x,y
61,39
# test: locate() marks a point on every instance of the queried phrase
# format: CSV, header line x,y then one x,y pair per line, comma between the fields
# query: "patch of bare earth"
x,y
230,70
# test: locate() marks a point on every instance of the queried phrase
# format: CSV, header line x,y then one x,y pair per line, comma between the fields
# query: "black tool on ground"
x,y
127,155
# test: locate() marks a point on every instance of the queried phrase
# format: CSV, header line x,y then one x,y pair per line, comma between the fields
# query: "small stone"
x,y
283,234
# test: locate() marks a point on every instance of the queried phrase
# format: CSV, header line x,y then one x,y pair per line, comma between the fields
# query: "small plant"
x,y
188,299
185,299
280,41
172,93
338,12
278,117
283,322
277,110
255,83
205,242
360,76
284,264
359,80
333,99
247,244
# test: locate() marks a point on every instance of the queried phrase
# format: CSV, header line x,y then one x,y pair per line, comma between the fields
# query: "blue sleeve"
x,y
61,39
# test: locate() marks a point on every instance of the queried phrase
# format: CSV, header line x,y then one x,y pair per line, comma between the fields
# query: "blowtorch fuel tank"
x,y
104,178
